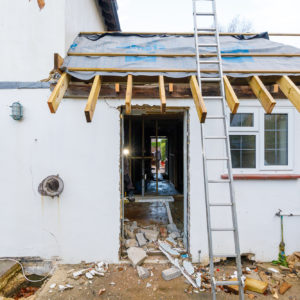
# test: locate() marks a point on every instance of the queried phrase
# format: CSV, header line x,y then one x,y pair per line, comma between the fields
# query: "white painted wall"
x,y
82,16
30,36
84,224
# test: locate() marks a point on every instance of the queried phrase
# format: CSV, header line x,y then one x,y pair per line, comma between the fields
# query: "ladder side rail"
x,y
229,163
205,173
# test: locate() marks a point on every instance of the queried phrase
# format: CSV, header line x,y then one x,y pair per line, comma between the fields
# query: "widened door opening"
x,y
154,160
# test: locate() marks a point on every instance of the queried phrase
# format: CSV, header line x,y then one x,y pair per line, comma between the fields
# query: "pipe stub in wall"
x,y
51,186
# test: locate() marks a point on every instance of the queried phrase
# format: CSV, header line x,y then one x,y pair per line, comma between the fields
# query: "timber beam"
x,y
262,94
128,95
58,92
162,94
93,98
290,90
231,98
198,99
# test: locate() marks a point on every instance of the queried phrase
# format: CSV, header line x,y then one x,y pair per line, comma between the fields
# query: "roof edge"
x,y
109,10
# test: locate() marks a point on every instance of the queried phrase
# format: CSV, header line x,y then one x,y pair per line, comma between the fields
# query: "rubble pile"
x,y
258,279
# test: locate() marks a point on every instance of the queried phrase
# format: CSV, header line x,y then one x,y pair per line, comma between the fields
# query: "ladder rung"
x,y
215,137
210,79
215,117
217,158
205,14
225,255
212,97
206,29
220,283
207,45
222,229
209,62
219,181
220,204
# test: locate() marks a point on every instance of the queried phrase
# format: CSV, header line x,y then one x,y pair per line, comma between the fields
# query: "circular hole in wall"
x,y
51,186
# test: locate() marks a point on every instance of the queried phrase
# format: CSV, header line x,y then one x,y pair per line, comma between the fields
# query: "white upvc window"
x,y
276,138
261,142
244,139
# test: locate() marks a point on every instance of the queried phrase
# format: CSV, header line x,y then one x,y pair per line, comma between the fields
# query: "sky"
x,y
176,16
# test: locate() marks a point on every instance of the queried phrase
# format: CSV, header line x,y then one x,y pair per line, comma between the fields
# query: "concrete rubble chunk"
x,y
133,226
172,228
143,272
174,235
170,274
168,249
151,235
171,241
141,239
131,243
188,267
136,256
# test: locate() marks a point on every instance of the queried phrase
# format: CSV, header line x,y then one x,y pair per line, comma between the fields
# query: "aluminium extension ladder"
x,y
214,48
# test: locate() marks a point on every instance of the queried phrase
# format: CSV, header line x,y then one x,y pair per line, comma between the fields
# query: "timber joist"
x,y
164,89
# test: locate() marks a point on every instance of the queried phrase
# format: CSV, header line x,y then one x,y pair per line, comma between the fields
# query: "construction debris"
x,y
254,285
141,239
143,272
171,273
136,256
284,287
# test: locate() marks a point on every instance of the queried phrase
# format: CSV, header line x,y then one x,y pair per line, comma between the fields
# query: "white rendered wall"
x,y
30,36
82,16
84,223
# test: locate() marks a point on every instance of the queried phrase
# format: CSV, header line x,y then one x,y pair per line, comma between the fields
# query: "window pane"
x,y
241,120
269,122
282,139
247,120
282,121
282,158
235,142
269,157
243,151
235,120
276,139
270,140
248,142
236,158
248,159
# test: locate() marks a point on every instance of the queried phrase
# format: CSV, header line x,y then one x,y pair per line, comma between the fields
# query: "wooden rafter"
x,y
162,93
262,94
117,87
290,90
92,100
128,95
198,99
58,92
231,97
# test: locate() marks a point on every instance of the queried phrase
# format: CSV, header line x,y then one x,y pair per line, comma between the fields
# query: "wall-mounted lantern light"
x,y
16,111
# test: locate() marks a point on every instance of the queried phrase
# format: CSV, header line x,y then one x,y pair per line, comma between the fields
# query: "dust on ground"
x,y
122,282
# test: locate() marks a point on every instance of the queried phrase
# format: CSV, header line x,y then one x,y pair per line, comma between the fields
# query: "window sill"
x,y
263,176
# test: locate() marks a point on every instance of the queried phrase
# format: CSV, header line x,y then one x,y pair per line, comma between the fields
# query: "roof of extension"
x,y
120,54
109,9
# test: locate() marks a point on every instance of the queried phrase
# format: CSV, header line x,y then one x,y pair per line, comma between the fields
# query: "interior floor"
x,y
155,213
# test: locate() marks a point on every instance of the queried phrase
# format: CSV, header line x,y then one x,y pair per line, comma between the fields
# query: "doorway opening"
x,y
154,174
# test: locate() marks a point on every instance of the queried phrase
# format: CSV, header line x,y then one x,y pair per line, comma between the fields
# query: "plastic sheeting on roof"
x,y
184,44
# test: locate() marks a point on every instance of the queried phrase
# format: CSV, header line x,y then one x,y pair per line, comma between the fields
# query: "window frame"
x,y
254,130
289,166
